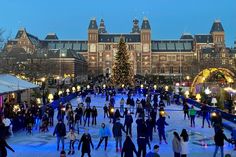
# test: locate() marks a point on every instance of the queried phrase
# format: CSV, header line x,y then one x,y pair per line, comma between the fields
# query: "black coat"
x,y
3,146
60,130
86,140
219,138
117,129
128,148
128,120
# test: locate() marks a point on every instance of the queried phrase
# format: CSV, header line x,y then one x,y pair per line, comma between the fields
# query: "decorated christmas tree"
x,y
122,72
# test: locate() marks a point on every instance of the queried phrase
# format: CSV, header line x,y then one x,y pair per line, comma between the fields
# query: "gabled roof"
x,y
145,24
172,45
33,39
186,36
217,27
51,36
93,24
116,37
203,38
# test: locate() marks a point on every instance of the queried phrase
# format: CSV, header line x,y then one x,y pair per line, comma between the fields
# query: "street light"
x,y
50,97
186,94
141,86
78,88
166,88
198,97
104,86
43,87
73,89
214,101
155,87
88,86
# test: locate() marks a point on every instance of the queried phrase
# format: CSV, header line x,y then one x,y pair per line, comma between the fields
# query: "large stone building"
x,y
172,58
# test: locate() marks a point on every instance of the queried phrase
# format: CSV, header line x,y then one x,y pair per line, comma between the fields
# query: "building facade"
x,y
172,58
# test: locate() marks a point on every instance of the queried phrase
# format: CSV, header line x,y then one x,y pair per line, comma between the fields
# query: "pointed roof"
x,y
102,28
135,28
186,36
217,27
145,24
51,36
93,24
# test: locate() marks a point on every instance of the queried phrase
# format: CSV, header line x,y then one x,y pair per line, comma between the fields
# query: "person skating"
x,y
143,139
104,133
122,103
128,148
3,146
105,111
86,141
184,143
154,153
192,114
176,145
150,126
94,115
117,133
185,109
87,114
72,137
60,131
161,123
128,123
205,115
219,142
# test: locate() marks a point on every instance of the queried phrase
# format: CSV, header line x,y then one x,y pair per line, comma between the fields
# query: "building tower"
x,y
102,27
218,34
92,47
135,28
146,47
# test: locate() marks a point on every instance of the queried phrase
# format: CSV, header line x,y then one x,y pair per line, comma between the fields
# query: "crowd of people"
x,y
148,112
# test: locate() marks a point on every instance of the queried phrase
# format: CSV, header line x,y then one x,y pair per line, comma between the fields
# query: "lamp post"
x,y
214,101
43,88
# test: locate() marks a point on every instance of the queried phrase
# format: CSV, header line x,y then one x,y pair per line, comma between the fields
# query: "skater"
x,y
185,109
3,146
176,145
104,133
122,102
128,148
219,142
150,127
94,115
86,142
154,153
60,131
192,113
143,140
87,113
205,115
105,111
128,124
117,133
72,136
184,143
161,123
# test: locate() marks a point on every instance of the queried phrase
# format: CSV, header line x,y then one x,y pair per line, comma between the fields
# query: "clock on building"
x,y
92,48
145,47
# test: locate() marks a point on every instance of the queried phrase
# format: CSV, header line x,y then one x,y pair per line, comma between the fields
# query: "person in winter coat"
x,y
105,111
72,137
219,142
150,127
88,100
122,103
94,115
128,124
87,114
3,146
154,153
128,148
117,133
86,141
184,143
205,115
185,109
161,123
60,131
117,115
104,133
143,139
192,114
176,145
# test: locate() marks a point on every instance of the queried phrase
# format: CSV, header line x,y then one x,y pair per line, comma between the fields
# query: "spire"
x,y
217,27
102,28
93,24
135,28
145,24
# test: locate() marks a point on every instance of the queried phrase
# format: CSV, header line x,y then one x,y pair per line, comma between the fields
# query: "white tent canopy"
x,y
9,83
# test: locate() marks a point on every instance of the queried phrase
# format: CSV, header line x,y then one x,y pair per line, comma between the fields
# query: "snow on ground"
x,y
44,144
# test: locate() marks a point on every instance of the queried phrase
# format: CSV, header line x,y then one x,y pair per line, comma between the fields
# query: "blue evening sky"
x,y
70,18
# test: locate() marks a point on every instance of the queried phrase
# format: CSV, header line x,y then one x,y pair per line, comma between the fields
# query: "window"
x,y
171,58
171,70
107,47
162,69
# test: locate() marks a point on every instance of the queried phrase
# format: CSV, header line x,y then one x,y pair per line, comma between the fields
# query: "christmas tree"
x,y
122,72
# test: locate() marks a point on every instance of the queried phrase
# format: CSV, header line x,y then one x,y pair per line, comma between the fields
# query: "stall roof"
x,y
9,83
